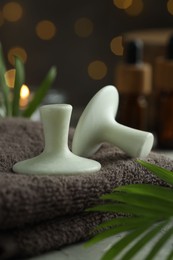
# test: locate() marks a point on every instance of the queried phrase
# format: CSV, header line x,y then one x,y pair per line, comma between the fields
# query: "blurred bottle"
x,y
134,82
163,81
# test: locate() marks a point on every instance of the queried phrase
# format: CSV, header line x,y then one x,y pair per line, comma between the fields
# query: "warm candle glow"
x,y
24,95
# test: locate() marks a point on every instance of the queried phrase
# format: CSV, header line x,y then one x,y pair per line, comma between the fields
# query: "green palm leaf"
x,y
19,81
41,92
144,210
142,201
160,172
128,209
148,190
160,243
170,256
128,226
145,239
12,108
120,221
3,85
118,247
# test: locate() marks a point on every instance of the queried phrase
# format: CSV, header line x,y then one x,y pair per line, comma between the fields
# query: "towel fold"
x,y
42,213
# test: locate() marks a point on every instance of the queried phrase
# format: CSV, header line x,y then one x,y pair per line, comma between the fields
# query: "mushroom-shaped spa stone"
x,y
97,125
56,157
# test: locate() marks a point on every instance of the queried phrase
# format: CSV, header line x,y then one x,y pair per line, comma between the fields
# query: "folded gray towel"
x,y
41,213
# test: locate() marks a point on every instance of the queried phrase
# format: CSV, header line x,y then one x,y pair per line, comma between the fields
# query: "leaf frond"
x,y
126,226
121,221
41,92
117,248
156,191
19,81
167,233
160,172
5,90
142,201
149,234
170,255
147,211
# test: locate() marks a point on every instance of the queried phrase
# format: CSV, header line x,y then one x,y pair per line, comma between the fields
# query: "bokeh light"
x,y
97,70
24,92
122,4
10,77
45,30
24,95
135,8
170,6
83,27
19,52
12,11
116,45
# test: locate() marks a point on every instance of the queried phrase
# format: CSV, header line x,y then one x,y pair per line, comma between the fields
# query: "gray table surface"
x,y
80,252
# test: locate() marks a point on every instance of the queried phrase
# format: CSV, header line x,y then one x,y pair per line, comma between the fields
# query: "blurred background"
x,y
84,39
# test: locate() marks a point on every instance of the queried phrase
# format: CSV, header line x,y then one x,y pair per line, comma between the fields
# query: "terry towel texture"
x,y
42,213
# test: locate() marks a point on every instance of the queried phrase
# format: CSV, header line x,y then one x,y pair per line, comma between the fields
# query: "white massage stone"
x,y
97,125
56,157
